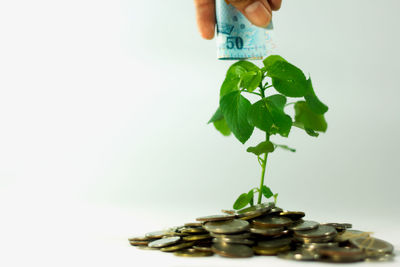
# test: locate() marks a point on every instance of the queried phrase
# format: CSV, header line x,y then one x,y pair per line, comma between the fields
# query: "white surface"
x,y
103,111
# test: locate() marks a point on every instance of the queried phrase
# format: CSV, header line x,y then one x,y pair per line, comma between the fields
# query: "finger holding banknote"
x,y
258,12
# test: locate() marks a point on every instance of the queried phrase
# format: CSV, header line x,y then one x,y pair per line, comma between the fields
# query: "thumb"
x,y
258,12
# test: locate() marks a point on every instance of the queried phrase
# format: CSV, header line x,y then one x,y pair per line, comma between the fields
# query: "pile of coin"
x,y
265,229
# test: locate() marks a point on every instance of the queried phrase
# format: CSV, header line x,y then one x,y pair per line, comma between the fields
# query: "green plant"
x,y
237,115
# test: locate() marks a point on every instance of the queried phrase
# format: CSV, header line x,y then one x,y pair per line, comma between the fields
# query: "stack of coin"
x,y
267,230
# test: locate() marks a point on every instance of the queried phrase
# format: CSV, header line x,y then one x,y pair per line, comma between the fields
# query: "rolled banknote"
x,y
237,38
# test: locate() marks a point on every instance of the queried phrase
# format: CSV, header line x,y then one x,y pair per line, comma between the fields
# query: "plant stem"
x,y
264,164
251,93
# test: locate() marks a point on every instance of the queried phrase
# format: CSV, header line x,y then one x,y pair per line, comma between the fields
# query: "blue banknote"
x,y
237,38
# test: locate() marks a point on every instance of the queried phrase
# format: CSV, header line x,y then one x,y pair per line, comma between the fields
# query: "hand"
x,y
258,12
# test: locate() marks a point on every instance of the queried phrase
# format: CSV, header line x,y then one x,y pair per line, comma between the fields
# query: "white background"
x,y
103,134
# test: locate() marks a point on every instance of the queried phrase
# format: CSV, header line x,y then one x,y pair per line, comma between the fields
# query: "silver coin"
x,y
373,247
229,240
156,234
274,243
339,226
321,231
232,250
299,255
227,227
213,218
255,210
163,242
304,225
272,221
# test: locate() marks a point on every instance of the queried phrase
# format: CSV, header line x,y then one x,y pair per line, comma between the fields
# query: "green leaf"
x,y
217,116
269,61
229,85
250,197
261,148
259,116
241,202
307,130
235,107
247,73
278,100
222,127
275,197
285,147
251,80
313,102
309,120
287,78
266,191
311,132
282,121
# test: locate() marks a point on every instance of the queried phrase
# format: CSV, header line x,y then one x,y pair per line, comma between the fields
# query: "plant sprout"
x,y
237,115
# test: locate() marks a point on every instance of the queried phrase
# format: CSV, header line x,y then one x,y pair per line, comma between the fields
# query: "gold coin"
x,y
270,232
321,239
349,234
139,243
240,235
227,227
316,246
304,225
193,230
272,221
294,215
193,224
255,215
231,212
196,237
141,238
373,247
206,248
192,253
342,254
232,250
321,231
270,251
256,209
146,248
275,243
229,240
299,255
177,247
214,218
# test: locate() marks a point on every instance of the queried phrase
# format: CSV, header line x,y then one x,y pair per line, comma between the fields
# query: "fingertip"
x,y
207,36
207,31
275,4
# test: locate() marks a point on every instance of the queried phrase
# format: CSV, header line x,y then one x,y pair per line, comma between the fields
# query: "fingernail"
x,y
258,14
